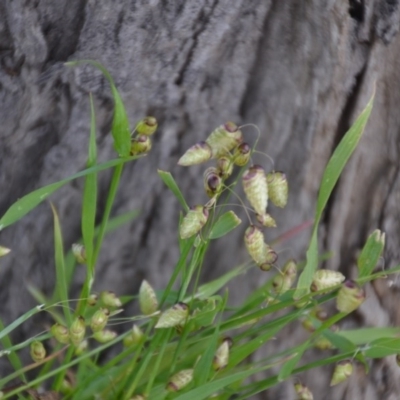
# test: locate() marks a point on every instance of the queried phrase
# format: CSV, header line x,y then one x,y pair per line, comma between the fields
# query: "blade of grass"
x,y
170,182
330,177
61,290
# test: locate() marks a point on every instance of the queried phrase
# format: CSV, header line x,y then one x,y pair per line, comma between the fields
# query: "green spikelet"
x,y
4,251
37,351
180,380
325,279
225,167
174,316
77,330
197,154
303,392
140,145
342,372
212,181
147,299
99,319
147,126
241,155
278,188
255,187
193,221
223,139
266,220
221,357
254,241
60,332
350,297
79,252
104,336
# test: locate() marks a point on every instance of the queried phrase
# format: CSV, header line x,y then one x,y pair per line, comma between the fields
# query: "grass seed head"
x,y
221,357
37,351
147,126
212,181
225,167
140,145
174,316
255,188
278,188
110,299
99,319
77,330
350,297
60,333
224,138
254,241
4,251
303,392
241,155
197,154
326,279
79,252
193,221
147,299
104,336
266,220
135,337
180,380
342,372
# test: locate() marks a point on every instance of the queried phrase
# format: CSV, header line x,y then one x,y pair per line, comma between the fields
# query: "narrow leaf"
x,y
330,177
370,254
169,181
224,224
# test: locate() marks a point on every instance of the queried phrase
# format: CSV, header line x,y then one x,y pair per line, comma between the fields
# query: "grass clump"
x,y
186,343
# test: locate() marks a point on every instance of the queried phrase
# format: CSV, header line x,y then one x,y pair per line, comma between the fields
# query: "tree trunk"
x,y
300,71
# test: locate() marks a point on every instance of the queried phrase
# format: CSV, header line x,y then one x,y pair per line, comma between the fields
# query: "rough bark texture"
x,y
301,71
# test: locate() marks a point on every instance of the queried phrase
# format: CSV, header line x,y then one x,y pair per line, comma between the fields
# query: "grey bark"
x,y
300,71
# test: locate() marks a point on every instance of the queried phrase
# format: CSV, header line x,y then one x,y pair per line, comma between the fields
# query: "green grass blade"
x,y
224,224
90,194
383,347
61,278
169,181
28,202
367,335
370,253
329,179
120,125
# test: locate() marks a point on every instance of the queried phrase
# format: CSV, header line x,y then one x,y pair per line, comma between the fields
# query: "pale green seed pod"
x,y
212,181
225,167
180,380
266,220
221,357
92,300
322,343
270,257
147,299
140,145
104,336
77,330
81,347
326,279
241,155
60,333
79,252
278,188
254,241
350,297
255,187
37,351
66,388
138,397
4,251
109,299
174,316
303,392
224,138
197,154
284,281
193,221
134,338
99,319
147,126
342,372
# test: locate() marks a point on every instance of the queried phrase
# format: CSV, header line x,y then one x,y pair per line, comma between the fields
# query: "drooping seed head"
x,y
342,372
147,126
254,241
140,145
278,188
99,319
60,332
174,316
81,347
110,299
104,336
326,279
241,155
221,357
255,187
212,181
92,300
37,351
224,138
193,221
147,299
4,251
180,380
266,220
303,392
135,337
197,154
350,297
77,330
225,167
79,252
